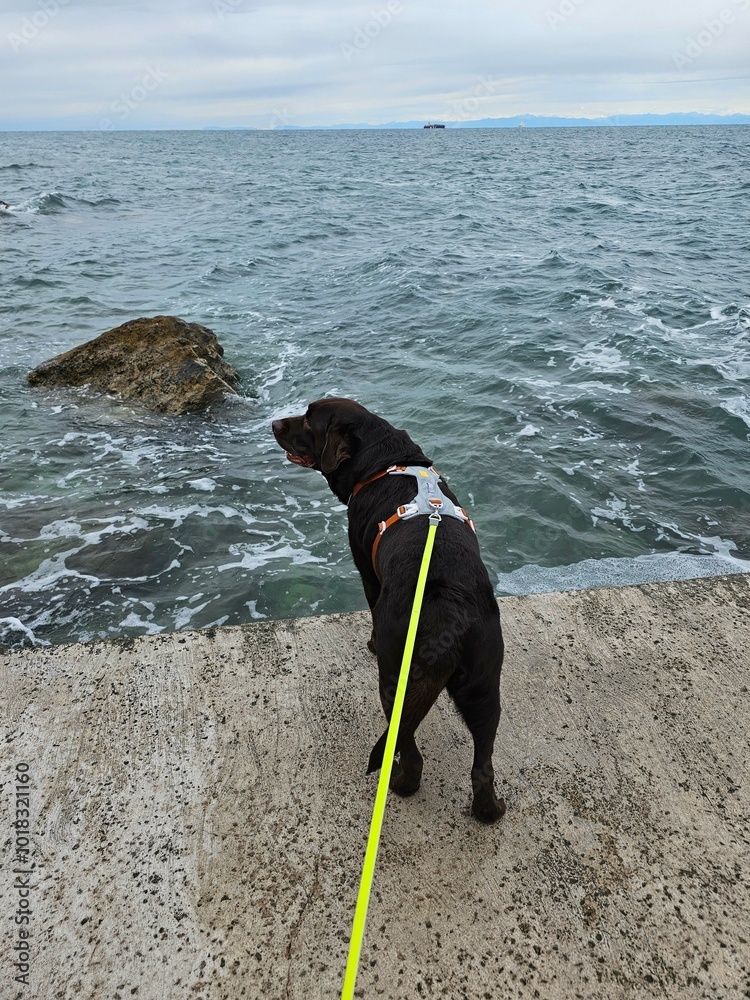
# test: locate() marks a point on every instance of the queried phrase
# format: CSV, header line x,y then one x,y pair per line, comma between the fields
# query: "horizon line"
x,y
629,119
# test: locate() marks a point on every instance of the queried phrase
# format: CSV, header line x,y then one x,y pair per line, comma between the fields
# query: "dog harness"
x,y
429,500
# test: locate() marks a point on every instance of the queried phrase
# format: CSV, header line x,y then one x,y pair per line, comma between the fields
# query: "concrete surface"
x,y
199,811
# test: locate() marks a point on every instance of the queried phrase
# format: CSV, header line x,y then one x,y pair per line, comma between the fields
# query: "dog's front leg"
x,y
372,593
371,586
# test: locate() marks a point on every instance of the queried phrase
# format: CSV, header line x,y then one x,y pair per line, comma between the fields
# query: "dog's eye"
x,y
305,424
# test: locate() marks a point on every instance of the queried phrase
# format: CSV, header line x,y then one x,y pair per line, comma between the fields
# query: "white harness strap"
x,y
430,498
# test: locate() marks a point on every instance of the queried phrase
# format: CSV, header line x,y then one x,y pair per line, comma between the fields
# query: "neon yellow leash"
x,y
376,824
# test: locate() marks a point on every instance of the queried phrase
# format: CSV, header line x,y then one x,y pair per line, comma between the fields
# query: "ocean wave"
x,y
105,201
15,635
738,406
25,166
34,281
55,202
45,203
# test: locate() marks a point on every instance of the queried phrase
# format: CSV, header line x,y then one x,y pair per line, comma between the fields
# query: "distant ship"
x,y
431,125
522,125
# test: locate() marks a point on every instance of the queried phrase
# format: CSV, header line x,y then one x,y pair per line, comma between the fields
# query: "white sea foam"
x,y
599,358
717,314
10,503
571,470
530,430
178,515
616,510
654,568
206,485
174,564
134,620
61,529
588,434
736,369
255,555
598,386
48,573
277,370
633,469
13,632
539,383
738,406
183,617
69,528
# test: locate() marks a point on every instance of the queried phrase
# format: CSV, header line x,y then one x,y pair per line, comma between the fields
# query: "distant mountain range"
x,y
530,121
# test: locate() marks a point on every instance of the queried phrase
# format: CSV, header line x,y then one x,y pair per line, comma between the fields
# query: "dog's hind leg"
x,y
421,694
478,701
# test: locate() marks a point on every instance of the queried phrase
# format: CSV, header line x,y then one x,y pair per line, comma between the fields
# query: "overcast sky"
x,y
189,64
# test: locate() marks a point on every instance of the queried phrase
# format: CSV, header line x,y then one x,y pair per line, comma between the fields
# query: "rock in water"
x,y
165,363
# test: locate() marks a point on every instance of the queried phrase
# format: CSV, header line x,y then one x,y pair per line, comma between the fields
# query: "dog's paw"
x,y
486,808
371,646
402,783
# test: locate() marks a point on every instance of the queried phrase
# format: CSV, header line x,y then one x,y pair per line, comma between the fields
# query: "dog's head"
x,y
334,431
324,436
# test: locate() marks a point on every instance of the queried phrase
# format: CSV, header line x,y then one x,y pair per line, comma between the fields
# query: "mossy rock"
x,y
163,362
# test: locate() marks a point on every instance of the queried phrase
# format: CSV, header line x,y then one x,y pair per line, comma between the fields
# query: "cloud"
x,y
243,62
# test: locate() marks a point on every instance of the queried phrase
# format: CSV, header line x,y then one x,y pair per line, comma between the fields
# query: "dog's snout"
x,y
277,426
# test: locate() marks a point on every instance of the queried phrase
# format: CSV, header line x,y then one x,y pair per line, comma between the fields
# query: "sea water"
x,y
560,318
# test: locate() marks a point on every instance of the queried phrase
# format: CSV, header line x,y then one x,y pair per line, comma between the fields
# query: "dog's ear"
x,y
337,449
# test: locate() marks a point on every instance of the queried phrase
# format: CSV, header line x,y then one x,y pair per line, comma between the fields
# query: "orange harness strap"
x,y
382,527
378,475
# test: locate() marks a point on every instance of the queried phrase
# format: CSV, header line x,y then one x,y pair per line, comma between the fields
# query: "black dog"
x,y
459,643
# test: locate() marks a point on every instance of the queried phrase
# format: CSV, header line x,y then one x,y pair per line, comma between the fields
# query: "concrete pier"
x,y
198,811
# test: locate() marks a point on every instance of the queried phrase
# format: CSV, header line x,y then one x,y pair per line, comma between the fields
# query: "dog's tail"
x,y
376,755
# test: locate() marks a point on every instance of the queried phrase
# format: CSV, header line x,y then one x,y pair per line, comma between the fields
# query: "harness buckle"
x,y
407,510
466,519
